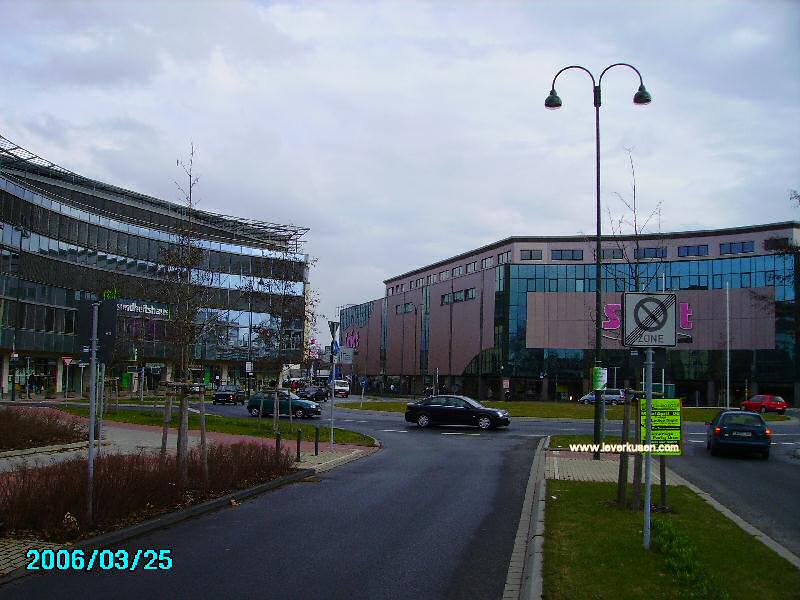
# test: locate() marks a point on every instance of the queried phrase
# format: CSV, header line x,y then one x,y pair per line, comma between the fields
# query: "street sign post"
x,y
649,321
346,356
334,349
665,417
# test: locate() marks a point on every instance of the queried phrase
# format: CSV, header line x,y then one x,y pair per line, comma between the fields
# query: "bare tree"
x,y
184,284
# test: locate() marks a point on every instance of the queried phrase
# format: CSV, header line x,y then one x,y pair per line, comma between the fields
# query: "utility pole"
x,y
648,435
92,392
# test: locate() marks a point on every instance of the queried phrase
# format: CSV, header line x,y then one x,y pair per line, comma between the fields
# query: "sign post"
x,y
67,361
334,325
649,321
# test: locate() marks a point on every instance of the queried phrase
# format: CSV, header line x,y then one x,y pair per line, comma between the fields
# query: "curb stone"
x,y
524,577
49,449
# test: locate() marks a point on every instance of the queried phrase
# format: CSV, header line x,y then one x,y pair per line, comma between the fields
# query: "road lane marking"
x,y
394,430
453,433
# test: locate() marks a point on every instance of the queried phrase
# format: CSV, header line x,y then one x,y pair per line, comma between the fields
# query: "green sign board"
x,y
599,378
666,424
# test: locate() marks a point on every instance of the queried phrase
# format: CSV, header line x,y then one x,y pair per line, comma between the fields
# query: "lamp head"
x,y
642,97
552,102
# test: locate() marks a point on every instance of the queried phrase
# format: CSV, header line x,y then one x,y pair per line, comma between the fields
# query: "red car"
x,y
765,403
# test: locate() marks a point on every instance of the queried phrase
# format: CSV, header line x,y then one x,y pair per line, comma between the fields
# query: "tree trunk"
x,y
183,437
165,428
622,480
203,446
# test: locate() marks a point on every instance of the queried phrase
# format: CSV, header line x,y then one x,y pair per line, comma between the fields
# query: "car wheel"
x,y
780,412
214,403
299,413
254,412
423,420
765,454
484,423
714,450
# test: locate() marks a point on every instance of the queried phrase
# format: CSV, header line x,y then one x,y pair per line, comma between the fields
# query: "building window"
x,y
776,244
611,253
444,275
660,252
487,262
700,250
398,310
445,299
434,278
470,294
530,255
566,254
737,247
458,296
472,267
504,257
458,271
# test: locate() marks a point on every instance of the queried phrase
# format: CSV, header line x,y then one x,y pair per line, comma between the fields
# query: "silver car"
x,y
610,396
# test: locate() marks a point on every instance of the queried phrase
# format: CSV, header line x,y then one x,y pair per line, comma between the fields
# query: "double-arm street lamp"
x,y
641,97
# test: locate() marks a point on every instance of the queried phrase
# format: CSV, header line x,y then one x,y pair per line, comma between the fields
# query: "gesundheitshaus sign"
x,y
143,308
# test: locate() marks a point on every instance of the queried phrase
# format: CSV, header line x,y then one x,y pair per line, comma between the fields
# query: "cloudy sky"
x,y
404,133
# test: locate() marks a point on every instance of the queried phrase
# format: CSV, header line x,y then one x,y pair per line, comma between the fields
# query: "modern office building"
x,y
67,238
520,314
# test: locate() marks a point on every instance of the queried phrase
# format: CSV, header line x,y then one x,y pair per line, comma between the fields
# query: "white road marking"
x,y
695,441
453,433
394,430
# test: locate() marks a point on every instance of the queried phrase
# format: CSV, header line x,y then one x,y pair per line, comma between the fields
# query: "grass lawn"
x,y
593,549
553,410
235,425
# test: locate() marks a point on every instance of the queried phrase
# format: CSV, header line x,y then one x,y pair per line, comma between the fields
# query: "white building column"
x,y
59,375
168,372
5,374
224,377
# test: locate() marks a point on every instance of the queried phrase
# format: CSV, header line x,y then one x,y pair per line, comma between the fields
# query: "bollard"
x,y
299,436
278,443
316,441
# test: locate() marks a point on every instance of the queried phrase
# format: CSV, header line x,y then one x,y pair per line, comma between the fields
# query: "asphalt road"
x,y
432,515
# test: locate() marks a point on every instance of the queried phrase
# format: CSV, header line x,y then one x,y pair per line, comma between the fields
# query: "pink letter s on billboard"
x,y
613,319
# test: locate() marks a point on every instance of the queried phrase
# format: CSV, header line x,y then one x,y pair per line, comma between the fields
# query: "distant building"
x,y
85,239
520,312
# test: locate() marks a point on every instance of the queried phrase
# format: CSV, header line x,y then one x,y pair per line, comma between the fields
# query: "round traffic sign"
x,y
650,314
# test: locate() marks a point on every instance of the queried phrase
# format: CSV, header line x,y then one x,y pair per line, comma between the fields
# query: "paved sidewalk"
x,y
579,466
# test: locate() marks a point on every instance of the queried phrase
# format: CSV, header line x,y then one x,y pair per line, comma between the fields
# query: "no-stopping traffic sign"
x,y
649,320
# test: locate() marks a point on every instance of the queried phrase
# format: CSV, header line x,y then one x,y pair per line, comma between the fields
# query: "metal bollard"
x,y
299,436
316,441
278,442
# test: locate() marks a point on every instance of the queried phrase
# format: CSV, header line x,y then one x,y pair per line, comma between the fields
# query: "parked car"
x,y
455,410
610,396
315,393
299,407
738,430
341,387
765,403
229,393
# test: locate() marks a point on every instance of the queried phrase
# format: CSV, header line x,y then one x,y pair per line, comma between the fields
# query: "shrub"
x,y
51,500
24,427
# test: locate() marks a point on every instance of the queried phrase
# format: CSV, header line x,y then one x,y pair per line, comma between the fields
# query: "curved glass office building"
x,y
519,315
67,238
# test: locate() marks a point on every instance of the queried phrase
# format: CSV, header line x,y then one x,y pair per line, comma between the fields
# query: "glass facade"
x,y
60,244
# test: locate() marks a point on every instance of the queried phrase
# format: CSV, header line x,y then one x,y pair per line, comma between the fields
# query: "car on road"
x,y
610,396
455,410
738,430
765,403
315,393
229,393
287,404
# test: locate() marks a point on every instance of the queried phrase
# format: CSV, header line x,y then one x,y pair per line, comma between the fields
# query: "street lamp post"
x,y
553,102
23,233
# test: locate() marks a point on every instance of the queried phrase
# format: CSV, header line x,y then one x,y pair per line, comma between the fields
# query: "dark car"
x,y
738,430
610,396
315,393
765,403
455,410
229,393
288,404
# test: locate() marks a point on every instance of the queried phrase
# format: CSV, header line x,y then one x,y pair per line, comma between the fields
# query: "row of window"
x,y
653,252
35,317
49,204
459,296
401,309
52,248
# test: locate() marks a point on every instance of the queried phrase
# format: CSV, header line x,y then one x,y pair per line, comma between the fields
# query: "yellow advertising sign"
x,y
665,418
